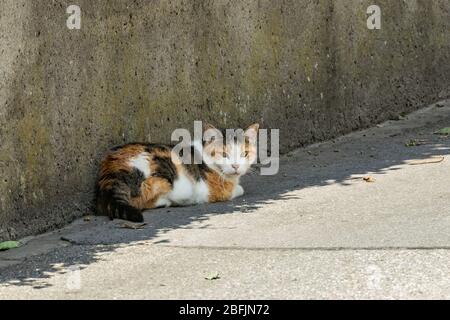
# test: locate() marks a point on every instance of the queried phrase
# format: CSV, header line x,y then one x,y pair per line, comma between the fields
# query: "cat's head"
x,y
230,152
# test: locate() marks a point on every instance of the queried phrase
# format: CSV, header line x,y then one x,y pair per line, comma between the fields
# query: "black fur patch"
x,y
197,171
114,203
166,168
131,179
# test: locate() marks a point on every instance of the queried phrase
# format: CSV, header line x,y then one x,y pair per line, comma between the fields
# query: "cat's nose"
x,y
235,166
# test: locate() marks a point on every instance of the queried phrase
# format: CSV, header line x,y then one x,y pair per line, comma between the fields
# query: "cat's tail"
x,y
114,201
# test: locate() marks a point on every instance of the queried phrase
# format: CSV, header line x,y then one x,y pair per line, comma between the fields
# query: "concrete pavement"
x,y
316,230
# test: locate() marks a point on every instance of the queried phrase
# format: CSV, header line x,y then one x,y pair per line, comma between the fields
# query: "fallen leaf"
x,y
7,245
398,117
415,143
130,225
394,135
213,276
428,161
369,179
443,131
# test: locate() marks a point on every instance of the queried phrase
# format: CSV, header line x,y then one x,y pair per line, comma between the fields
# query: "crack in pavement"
x,y
311,249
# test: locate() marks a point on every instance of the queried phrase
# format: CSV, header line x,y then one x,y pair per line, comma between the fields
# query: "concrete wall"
x,y
139,69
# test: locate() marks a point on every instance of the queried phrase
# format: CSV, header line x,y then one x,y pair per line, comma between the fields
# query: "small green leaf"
x,y
415,143
9,245
411,143
444,131
213,276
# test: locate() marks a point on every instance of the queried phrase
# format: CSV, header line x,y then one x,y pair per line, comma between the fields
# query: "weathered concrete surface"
x,y
311,232
137,70
145,272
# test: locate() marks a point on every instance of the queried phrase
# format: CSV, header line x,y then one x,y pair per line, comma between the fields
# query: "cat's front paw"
x,y
237,192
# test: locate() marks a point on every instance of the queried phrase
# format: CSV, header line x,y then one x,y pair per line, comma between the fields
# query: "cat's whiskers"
x,y
252,170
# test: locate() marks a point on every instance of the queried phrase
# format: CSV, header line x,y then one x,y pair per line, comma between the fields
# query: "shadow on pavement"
x,y
376,150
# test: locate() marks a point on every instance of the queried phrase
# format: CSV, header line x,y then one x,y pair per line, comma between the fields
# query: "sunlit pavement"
x,y
364,216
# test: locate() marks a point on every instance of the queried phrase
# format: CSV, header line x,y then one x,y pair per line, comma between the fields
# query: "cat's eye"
x,y
245,154
224,154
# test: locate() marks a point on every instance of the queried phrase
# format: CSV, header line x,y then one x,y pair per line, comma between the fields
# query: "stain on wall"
x,y
139,69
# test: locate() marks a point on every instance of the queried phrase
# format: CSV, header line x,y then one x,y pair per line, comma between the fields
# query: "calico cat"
x,y
140,176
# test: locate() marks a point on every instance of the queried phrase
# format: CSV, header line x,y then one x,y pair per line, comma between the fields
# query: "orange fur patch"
x,y
151,190
219,188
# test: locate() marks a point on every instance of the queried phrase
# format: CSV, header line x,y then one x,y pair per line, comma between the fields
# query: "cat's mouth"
x,y
232,174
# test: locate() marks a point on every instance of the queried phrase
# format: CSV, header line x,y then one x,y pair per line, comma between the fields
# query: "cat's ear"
x,y
208,126
211,133
252,132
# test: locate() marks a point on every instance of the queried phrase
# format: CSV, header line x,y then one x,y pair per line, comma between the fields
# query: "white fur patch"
x,y
201,192
237,192
186,192
182,191
162,202
141,163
